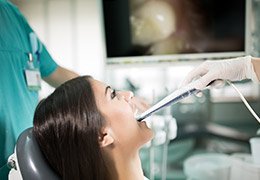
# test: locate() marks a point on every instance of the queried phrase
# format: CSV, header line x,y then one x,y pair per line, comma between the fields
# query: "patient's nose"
x,y
127,95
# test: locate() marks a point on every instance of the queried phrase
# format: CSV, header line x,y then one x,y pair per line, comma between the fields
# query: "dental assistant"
x,y
24,59
235,69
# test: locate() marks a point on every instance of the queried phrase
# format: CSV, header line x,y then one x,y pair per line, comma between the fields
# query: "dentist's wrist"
x,y
248,67
255,72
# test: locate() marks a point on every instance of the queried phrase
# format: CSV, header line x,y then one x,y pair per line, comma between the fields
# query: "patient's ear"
x,y
105,137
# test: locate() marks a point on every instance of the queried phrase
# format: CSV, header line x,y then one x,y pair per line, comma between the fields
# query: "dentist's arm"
x,y
235,69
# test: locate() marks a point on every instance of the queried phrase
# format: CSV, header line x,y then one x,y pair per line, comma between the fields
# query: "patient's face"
x,y
118,111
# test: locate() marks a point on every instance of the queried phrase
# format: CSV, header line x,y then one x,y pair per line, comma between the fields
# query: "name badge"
x,y
33,79
32,76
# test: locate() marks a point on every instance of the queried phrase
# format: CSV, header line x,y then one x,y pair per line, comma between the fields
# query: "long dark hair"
x,y
66,126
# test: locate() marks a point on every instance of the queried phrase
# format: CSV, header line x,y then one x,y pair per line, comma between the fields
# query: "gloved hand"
x,y
235,69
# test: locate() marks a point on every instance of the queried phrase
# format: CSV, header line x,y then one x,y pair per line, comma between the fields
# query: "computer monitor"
x,y
145,31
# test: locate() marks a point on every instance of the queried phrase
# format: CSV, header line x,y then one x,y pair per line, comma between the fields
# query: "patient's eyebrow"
x,y
108,87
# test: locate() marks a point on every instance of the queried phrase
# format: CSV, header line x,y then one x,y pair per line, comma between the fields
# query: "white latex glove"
x,y
230,69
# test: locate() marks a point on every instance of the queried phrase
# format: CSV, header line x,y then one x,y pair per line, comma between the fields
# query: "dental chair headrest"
x,y
32,163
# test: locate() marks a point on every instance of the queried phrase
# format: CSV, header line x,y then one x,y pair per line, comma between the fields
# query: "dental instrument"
x,y
172,98
184,92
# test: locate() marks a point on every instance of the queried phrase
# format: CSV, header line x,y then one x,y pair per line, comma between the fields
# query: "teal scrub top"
x,y
17,102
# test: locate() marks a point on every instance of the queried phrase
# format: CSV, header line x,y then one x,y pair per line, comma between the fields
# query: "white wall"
x,y
72,32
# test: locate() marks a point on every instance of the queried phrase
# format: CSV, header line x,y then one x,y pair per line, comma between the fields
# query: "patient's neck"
x,y
124,165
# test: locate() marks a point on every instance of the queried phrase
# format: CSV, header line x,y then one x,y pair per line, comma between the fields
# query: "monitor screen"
x,y
169,30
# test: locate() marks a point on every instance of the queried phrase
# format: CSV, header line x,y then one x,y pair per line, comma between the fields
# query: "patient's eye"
x,y
113,94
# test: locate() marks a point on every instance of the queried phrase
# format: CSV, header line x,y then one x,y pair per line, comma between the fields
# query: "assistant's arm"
x,y
59,76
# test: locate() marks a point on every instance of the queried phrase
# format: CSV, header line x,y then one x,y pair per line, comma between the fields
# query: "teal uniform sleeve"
x,y
46,63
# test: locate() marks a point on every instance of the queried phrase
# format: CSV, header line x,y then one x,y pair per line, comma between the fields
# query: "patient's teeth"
x,y
153,21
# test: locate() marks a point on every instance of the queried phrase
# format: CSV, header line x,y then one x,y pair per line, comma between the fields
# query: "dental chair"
x,y
28,162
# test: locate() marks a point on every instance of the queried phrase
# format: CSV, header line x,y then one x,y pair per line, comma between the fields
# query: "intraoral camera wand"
x,y
184,92
172,98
